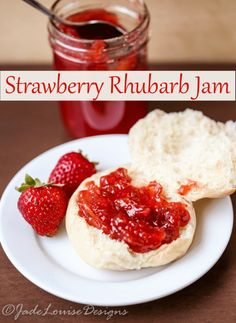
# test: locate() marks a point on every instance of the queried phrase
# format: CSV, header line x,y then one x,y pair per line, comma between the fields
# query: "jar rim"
x,y
130,34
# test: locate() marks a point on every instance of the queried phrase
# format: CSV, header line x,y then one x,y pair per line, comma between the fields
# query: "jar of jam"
x,y
118,43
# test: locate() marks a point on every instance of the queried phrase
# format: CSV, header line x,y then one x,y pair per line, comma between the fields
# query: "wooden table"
x,y
28,129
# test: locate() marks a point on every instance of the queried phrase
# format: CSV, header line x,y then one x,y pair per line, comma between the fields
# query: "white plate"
x,y
52,264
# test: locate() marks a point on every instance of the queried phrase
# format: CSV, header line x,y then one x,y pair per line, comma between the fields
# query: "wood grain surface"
x,y
28,129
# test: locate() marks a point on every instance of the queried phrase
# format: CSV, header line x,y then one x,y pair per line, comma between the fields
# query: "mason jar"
x,y
121,48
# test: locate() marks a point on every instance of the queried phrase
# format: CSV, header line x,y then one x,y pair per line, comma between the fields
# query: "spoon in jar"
x,y
83,28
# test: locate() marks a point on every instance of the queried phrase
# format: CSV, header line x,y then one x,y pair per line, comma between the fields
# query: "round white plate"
x,y
52,264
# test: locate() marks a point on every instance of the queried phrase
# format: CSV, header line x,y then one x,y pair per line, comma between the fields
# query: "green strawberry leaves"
x,y
33,182
95,163
30,182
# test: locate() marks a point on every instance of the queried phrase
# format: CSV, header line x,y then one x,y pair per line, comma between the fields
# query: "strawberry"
x,y
43,206
71,169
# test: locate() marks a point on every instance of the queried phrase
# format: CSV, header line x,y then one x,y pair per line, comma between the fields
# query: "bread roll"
x,y
178,150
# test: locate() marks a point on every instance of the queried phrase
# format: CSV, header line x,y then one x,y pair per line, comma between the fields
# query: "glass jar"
x,y
126,51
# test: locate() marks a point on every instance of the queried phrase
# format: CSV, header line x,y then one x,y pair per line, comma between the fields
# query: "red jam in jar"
x,y
120,46
139,216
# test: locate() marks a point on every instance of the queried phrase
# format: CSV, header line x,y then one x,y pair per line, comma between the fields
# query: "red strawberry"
x,y
42,205
71,169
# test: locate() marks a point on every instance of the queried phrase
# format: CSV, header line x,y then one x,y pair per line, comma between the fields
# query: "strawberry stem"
x,y
33,182
80,151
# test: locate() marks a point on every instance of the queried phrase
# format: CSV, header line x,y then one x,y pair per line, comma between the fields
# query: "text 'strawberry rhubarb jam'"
x,y
122,46
139,216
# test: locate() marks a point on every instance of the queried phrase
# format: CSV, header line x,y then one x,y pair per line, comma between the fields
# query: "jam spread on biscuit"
x,y
139,216
185,189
